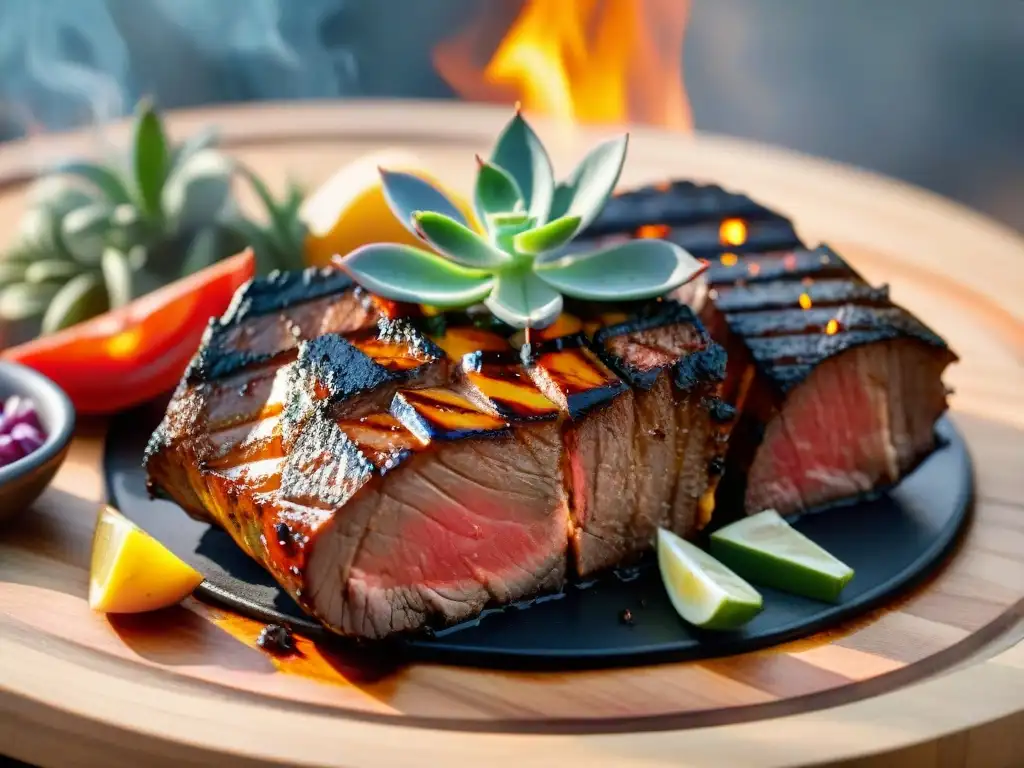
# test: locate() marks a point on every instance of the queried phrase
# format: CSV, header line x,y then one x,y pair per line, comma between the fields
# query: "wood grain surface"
x,y
935,678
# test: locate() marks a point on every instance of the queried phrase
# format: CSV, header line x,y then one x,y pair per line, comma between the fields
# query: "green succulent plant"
x,y
279,244
97,235
519,267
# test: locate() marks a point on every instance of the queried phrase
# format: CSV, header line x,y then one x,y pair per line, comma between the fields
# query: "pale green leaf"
x,y
81,298
12,272
587,190
522,300
117,275
550,237
459,243
404,273
51,271
520,152
197,191
150,158
22,301
638,269
197,142
407,193
84,232
496,191
105,180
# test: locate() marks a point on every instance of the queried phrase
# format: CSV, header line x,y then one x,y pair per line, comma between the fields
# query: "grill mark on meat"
x,y
784,316
753,268
354,478
787,294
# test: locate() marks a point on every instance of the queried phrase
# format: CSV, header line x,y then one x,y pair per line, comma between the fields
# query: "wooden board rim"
x,y
127,721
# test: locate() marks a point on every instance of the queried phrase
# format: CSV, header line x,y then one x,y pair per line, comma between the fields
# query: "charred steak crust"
x,y
812,348
393,472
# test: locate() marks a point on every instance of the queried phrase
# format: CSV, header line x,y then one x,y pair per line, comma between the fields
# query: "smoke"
x,y
68,63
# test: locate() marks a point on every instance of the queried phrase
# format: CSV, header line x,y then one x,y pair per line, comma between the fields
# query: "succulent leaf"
x,y
50,271
639,269
587,190
404,273
461,244
520,152
150,159
496,191
550,237
106,181
22,301
197,191
79,299
197,142
407,193
12,272
84,232
117,274
523,300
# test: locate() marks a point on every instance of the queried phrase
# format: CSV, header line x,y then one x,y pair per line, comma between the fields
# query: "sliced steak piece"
x,y
391,481
838,388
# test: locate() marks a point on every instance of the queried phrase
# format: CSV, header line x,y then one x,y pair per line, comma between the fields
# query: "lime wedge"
x,y
702,590
768,551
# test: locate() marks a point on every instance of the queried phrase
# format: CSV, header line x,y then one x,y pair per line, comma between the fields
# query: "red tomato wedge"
x,y
133,354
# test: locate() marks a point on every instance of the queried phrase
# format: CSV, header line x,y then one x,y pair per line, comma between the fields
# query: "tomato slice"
x,y
125,357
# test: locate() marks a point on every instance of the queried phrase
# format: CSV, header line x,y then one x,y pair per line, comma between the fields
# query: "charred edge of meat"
x,y
325,467
719,410
788,360
683,202
706,365
822,262
687,371
403,331
280,290
341,368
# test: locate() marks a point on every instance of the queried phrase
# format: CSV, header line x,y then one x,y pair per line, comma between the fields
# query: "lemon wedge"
x,y
349,209
767,550
131,571
702,590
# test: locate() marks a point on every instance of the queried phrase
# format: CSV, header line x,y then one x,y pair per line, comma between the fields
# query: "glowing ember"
x,y
789,261
805,301
754,269
733,232
729,259
663,186
590,61
653,231
832,327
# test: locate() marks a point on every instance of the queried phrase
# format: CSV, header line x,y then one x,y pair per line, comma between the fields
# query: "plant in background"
x,y
280,243
97,235
520,267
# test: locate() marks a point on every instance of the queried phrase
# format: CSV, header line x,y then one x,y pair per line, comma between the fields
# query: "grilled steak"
x,y
395,471
837,388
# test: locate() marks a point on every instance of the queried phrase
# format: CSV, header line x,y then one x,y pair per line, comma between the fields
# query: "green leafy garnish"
x,y
519,266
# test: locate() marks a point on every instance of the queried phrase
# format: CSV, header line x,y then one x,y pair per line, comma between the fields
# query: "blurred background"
x,y
929,91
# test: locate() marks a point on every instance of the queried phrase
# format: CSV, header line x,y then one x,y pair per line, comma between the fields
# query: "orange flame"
x,y
590,61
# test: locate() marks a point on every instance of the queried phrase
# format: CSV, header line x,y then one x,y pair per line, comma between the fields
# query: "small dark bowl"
x,y
23,481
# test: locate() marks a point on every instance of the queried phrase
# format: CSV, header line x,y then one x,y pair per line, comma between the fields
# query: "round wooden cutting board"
x,y
935,679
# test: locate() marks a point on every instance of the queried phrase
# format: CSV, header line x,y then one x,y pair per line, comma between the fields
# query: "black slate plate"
x,y
891,542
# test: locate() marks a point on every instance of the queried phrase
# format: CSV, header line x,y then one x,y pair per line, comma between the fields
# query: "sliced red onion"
x,y
27,437
10,451
19,410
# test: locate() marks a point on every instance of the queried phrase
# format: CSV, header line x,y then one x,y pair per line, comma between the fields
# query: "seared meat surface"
x,y
395,471
837,388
